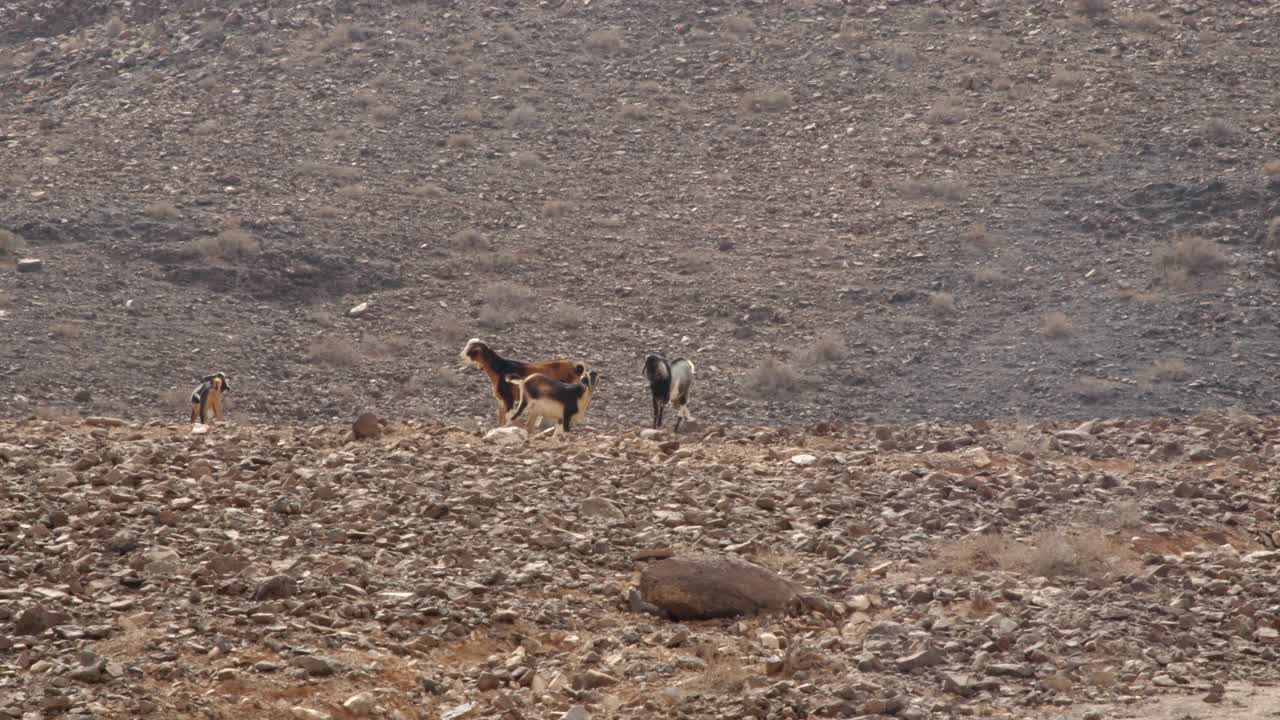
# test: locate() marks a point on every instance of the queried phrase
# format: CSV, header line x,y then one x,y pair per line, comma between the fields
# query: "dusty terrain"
x,y
1023,571
924,210
911,246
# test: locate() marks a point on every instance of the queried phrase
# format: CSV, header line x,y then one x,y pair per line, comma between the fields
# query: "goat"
x,y
208,397
549,398
669,382
499,369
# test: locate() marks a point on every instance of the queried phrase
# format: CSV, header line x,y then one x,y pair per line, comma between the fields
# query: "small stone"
x,y
592,679
957,684
26,265
803,459
1056,682
360,704
487,681
773,664
367,426
302,713
35,620
82,395
504,436
276,587
316,665
925,658
577,712
358,310
598,507
770,641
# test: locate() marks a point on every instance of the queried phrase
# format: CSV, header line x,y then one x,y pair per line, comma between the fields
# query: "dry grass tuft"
x,y
946,112
767,100
829,347
11,243
772,380
942,303
949,190
161,210
353,192
1188,256
333,350
527,159
1086,552
1063,78
557,208
738,25
326,212
1272,169
343,35
1093,8
114,27
522,116
1056,326
430,190
977,237
469,239
1220,132
452,330
1166,370
722,676
1273,233
460,140
232,244
66,330
634,111
504,304
1092,390
605,42
1142,21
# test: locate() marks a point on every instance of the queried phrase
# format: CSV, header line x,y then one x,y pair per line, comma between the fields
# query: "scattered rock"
x,y
358,310
367,426
26,265
276,587
509,435
710,587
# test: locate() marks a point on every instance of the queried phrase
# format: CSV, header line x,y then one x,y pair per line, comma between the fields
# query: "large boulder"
x,y
697,588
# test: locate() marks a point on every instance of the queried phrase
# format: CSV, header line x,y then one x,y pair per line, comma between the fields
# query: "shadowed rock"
x,y
709,587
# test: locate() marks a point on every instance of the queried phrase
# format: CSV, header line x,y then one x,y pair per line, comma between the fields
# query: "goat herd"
x,y
558,390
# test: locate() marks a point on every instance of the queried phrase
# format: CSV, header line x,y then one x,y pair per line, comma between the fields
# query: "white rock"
x,y
30,264
360,704
803,459
510,435
358,310
577,712
308,714
770,641
649,434
199,429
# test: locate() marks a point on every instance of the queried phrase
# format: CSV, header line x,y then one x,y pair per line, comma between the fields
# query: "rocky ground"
x,y
889,211
1121,568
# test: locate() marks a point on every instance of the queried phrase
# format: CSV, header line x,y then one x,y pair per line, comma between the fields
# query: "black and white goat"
x,y
669,382
546,397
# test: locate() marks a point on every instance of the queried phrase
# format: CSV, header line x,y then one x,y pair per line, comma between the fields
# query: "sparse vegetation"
x,y
353,192
232,244
1085,552
470,240
1063,78
161,210
1273,233
460,140
1143,21
945,112
429,190
1056,326
772,380
522,116
326,212
1093,9
1188,256
1092,390
942,303
1220,132
556,208
333,350
939,189
66,330
1272,169
11,243
605,42
738,25
767,100
829,347
528,160
1166,370
504,303
114,27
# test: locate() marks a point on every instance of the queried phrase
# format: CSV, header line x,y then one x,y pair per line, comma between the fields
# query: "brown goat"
x,y
499,369
554,400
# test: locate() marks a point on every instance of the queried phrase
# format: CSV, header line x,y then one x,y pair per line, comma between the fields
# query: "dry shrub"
x,y
333,350
564,315
1143,21
556,208
1124,515
942,303
114,27
343,35
1086,552
767,100
50,413
1056,326
232,244
634,111
161,210
384,112
504,304
1067,78
1220,132
738,25
452,330
321,317
469,239
430,190
460,140
1188,256
950,190
1093,8
903,57
1273,233
1165,370
722,676
829,347
1272,169
772,379
977,237
353,192
206,127
508,34
605,42
326,212
522,116
66,330
11,243
528,160
1093,390
947,112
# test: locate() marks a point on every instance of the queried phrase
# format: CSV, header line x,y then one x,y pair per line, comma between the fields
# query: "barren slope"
x,y
891,196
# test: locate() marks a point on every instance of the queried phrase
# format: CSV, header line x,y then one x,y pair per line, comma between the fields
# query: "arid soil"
x,y
982,297
886,211
990,571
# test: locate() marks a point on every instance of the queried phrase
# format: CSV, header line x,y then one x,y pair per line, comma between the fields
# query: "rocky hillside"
x,y
1113,569
893,211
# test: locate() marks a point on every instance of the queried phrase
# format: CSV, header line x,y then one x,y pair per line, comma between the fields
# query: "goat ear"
x,y
579,368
